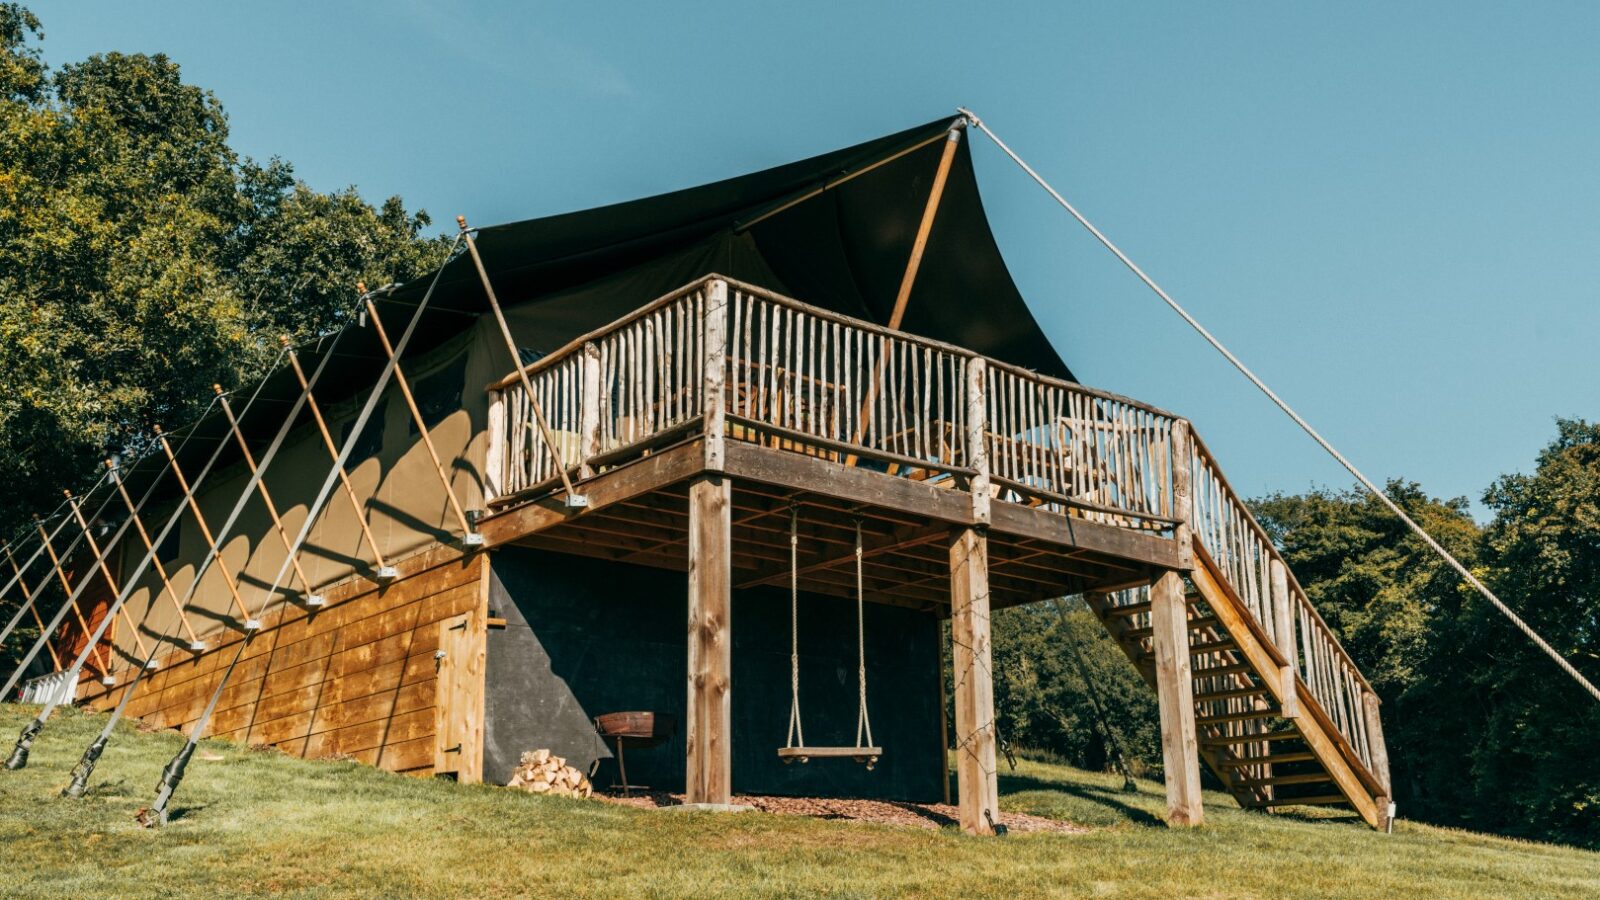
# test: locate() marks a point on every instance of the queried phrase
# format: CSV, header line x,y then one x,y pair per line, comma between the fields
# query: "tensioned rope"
x,y
1305,426
19,753
91,754
172,775
44,544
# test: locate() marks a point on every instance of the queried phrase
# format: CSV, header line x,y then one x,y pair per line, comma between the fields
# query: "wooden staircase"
x,y
1283,716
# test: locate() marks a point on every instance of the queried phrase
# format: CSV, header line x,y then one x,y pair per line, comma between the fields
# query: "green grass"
x,y
259,822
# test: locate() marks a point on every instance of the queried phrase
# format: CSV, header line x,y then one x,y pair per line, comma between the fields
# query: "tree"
x,y
142,259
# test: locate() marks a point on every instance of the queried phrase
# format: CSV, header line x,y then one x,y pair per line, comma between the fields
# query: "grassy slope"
x,y
258,822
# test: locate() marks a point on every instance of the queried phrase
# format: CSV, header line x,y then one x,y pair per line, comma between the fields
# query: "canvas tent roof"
x,y
844,246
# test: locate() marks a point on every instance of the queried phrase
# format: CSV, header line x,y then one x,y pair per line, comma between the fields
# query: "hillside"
x,y
259,822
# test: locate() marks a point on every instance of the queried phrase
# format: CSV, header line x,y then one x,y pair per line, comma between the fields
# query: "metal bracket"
x,y
316,600
386,574
577,501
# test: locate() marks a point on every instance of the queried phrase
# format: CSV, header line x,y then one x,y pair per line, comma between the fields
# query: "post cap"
x,y
462,221
217,388
361,286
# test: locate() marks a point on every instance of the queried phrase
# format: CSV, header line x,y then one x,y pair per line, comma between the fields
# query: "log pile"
x,y
540,772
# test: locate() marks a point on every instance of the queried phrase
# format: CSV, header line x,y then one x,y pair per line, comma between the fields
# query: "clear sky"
x,y
1391,211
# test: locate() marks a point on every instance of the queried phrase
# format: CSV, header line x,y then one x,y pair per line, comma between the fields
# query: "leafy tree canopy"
x,y
142,259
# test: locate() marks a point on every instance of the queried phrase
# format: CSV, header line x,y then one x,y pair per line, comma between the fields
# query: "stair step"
x,y
1320,800
1229,695
1195,624
1308,778
1134,609
1214,647
1231,739
1214,671
1247,716
1271,759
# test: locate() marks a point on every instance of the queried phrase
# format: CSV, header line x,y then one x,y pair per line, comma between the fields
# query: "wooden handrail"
x,y
1203,453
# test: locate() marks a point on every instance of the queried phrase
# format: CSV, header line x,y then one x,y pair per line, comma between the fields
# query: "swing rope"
x,y
796,739
863,723
794,631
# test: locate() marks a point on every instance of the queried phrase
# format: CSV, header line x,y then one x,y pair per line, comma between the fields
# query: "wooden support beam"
x,y
708,776
977,784
1179,743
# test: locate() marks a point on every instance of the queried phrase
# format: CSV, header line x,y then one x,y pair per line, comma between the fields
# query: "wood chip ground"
x,y
882,812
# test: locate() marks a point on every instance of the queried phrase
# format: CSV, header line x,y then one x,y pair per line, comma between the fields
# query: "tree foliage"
x,y
142,259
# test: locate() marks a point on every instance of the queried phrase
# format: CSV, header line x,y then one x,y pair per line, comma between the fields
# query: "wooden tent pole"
x,y
385,572
61,575
903,296
312,597
33,607
416,415
205,531
149,545
105,572
925,227
573,497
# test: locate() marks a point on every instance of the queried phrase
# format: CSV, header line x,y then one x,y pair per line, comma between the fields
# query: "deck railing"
x,y
811,381
807,380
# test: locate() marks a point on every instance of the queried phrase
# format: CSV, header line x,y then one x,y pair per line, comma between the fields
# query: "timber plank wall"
x,y
356,678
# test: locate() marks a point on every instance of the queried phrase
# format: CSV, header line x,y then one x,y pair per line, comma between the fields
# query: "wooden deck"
x,y
691,428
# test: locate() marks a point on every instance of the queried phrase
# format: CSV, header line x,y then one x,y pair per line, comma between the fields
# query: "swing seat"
x,y
867,756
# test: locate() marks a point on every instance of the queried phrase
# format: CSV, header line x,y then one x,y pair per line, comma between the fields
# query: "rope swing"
x,y
795,745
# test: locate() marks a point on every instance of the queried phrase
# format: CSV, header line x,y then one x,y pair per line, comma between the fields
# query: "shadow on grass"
x,y
1111,798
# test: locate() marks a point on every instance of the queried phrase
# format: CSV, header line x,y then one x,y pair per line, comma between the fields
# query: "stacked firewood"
x,y
543,773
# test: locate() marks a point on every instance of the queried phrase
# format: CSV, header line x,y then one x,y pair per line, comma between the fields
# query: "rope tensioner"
x,y
795,748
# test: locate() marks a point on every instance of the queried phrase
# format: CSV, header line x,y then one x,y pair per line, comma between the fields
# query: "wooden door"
x,y
458,703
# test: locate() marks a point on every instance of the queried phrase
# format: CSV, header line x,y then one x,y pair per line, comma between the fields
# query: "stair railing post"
x,y
1380,757
589,411
1283,634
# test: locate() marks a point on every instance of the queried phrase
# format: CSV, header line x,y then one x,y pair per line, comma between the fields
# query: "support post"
x,y
1283,625
716,372
1175,694
977,785
708,777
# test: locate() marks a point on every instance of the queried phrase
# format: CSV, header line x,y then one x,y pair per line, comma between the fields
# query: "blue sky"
x,y
1388,210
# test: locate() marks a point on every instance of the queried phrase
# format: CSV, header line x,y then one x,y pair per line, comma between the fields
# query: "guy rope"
x,y
19,753
1305,426
91,754
172,775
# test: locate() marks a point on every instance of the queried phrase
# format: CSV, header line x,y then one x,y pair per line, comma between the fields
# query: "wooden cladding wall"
x,y
357,678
